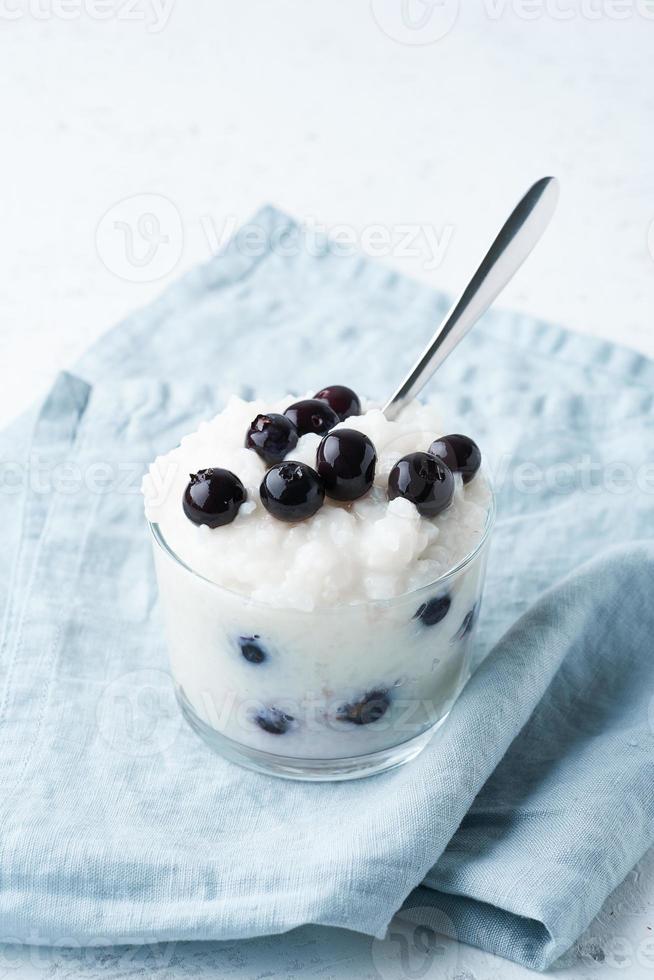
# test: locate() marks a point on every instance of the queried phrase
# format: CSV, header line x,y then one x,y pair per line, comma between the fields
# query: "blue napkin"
x,y
535,800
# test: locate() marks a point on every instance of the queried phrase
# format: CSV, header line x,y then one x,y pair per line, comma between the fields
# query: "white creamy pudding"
x,y
323,613
371,548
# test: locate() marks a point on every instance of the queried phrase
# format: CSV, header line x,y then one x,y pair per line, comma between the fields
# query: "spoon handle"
x,y
514,242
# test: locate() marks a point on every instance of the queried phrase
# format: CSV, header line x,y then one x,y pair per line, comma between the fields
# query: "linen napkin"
x,y
119,825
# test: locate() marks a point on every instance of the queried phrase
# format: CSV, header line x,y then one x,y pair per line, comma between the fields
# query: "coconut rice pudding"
x,y
320,570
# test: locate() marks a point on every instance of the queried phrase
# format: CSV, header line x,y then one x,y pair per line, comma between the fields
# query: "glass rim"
x,y
160,540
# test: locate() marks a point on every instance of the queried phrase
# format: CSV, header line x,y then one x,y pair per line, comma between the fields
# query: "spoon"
x,y
515,240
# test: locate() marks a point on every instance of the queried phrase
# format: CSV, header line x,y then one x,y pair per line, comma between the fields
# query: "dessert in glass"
x,y
320,571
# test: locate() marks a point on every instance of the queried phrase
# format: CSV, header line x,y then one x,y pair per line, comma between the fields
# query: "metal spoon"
x,y
515,240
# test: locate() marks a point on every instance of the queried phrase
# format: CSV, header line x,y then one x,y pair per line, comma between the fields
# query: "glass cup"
x,y
336,693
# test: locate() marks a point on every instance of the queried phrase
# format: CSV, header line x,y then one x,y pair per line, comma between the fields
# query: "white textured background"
x,y
195,112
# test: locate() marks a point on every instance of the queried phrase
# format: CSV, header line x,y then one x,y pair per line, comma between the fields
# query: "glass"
x,y
336,693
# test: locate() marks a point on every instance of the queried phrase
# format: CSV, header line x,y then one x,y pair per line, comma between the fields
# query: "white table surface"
x,y
199,111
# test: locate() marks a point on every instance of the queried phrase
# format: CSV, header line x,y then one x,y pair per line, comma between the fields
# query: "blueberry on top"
x,y
252,649
312,415
432,611
346,462
460,453
271,436
344,401
213,497
292,491
274,721
423,479
368,709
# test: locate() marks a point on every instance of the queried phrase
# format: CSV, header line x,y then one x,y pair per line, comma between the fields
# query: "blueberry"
x,y
346,462
424,480
271,436
460,453
213,497
274,721
344,401
468,624
370,708
312,415
251,649
432,611
292,491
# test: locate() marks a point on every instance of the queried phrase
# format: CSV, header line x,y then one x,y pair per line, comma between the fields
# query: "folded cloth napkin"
x,y
119,824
